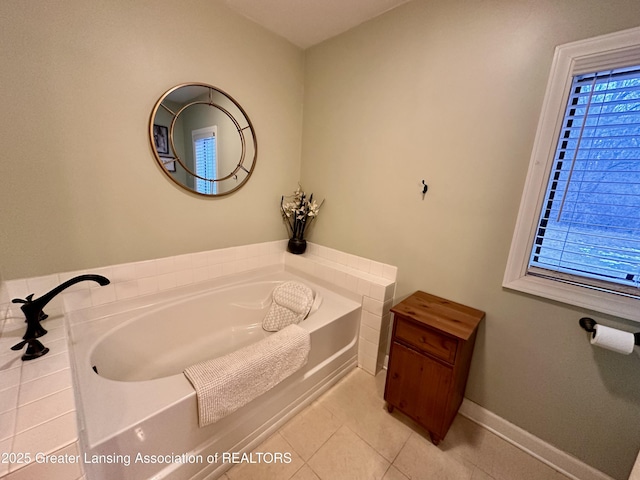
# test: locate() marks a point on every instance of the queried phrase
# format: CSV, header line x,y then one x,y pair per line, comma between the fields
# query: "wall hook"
x,y
425,187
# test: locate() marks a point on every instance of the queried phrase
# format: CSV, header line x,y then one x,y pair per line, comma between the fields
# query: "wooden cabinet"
x,y
429,359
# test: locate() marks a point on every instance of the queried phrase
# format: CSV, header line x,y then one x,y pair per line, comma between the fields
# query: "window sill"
x,y
599,301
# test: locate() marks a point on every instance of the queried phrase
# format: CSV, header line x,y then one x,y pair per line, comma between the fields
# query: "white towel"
x,y
227,383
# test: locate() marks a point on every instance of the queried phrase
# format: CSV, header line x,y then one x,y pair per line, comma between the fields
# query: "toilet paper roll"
x,y
613,339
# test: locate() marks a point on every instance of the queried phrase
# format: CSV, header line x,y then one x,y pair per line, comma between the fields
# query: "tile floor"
x,y
348,434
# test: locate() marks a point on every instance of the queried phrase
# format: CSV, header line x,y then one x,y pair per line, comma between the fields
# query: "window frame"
x,y
605,52
199,134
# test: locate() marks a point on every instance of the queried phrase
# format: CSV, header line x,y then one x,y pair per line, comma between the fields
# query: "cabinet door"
x,y
418,386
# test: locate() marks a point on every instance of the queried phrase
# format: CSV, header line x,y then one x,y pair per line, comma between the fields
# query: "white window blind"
x,y
205,159
589,228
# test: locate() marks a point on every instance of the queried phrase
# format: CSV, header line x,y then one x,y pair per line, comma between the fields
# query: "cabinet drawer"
x,y
426,340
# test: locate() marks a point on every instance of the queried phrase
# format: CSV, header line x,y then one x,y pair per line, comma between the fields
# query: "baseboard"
x,y
534,446
561,461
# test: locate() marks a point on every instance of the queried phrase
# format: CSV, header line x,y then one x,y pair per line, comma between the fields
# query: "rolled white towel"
x,y
292,302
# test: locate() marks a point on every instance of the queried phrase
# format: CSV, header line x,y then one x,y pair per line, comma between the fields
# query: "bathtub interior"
x,y
181,333
114,413
164,340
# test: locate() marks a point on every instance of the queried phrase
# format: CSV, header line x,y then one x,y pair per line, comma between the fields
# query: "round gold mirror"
x,y
203,139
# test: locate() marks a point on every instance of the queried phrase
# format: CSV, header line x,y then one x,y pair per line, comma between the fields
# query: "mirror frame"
x,y
162,162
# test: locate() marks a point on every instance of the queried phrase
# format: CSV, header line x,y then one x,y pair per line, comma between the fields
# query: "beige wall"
x,y
80,187
446,91
450,92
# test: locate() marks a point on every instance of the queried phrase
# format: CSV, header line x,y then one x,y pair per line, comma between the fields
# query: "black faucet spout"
x,y
36,306
33,313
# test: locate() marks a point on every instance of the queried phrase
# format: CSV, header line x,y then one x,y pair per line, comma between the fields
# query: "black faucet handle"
x,y
35,349
29,299
19,346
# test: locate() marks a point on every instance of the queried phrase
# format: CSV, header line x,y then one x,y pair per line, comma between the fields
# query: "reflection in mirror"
x,y
203,139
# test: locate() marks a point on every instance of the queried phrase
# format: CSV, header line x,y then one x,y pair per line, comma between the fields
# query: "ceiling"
x,y
308,22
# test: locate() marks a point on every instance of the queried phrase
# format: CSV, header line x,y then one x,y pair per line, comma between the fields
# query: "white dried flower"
x,y
301,208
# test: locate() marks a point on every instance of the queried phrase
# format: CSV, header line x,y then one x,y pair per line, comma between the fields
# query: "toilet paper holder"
x,y
589,324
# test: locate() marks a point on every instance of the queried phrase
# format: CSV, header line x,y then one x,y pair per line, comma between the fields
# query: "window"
x,y
205,152
589,225
577,238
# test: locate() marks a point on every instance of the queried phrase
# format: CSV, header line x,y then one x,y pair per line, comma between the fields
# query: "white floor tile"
x,y
347,433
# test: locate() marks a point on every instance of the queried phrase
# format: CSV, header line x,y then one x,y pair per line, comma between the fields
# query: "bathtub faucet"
x,y
33,314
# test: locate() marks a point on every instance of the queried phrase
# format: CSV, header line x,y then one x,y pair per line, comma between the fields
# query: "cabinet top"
x,y
450,317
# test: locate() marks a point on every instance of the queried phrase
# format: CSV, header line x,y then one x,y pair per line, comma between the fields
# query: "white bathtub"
x,y
140,404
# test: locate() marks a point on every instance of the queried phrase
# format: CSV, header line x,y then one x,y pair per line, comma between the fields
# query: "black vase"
x,y
297,245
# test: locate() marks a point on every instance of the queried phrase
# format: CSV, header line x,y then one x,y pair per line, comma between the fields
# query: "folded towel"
x,y
227,383
291,304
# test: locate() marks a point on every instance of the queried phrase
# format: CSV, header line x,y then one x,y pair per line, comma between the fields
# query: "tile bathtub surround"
x,y
635,473
37,408
373,281
37,405
137,279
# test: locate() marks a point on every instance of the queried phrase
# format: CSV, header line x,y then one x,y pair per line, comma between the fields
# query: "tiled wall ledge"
x,y
635,473
374,281
37,404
